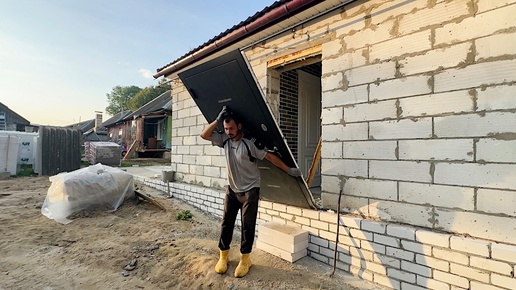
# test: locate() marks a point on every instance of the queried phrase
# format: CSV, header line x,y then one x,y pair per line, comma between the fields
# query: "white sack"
x,y
91,187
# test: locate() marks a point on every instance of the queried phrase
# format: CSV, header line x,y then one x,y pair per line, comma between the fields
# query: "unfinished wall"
x,y
419,114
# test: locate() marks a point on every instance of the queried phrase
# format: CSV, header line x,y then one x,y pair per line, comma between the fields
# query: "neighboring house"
x,y
91,130
151,127
119,128
11,121
418,112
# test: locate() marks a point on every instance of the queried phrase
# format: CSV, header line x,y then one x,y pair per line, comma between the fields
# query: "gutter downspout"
x,y
266,19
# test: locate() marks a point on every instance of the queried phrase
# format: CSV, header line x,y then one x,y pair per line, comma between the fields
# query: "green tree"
x,y
119,98
146,95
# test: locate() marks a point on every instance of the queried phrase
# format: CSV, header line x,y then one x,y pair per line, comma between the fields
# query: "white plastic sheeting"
x,y
9,153
94,187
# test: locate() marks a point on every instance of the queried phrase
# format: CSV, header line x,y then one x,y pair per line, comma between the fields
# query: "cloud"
x,y
145,73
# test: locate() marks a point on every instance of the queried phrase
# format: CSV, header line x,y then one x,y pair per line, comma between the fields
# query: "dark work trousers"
x,y
247,203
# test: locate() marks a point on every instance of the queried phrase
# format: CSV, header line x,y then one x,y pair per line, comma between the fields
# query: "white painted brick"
x,y
403,129
370,111
432,283
380,189
496,98
451,279
469,174
399,231
386,240
399,212
435,104
376,268
400,87
368,36
372,226
415,42
331,48
474,125
387,261
370,150
436,149
399,253
212,171
406,286
503,281
350,204
495,72
346,167
357,131
451,256
319,225
477,26
352,95
386,281
343,62
311,214
351,222
494,150
332,82
332,115
466,271
416,269
416,247
370,73
474,285
432,262
437,195
372,247
359,234
484,6
331,150
381,11
448,57
503,252
496,201
432,238
491,265
496,45
477,225
401,275
441,12
330,184
400,170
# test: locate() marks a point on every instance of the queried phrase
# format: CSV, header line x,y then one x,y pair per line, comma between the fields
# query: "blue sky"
x,y
59,58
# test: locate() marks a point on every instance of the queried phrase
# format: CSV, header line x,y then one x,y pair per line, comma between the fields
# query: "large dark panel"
x,y
227,80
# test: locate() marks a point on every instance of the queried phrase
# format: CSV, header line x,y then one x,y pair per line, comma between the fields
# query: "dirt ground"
x,y
157,250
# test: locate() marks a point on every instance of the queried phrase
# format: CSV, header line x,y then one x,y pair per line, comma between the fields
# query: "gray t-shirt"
x,y
242,173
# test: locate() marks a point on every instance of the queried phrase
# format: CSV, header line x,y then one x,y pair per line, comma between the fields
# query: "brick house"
x,y
415,103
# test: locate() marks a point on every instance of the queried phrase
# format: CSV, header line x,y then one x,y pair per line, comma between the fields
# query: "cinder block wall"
x,y
419,107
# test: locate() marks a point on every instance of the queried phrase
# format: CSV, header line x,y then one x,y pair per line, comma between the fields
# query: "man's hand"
x,y
222,114
294,172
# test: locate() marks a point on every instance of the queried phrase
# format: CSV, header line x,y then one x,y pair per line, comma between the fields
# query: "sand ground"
x,y
157,250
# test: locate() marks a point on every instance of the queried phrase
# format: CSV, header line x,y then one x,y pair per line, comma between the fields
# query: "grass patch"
x,y
184,215
25,170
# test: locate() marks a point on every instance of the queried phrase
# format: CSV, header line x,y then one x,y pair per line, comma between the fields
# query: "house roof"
x,y
117,118
162,102
281,16
83,126
3,107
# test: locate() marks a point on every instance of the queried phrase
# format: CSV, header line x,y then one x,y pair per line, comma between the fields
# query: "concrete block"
x,y
471,174
400,170
344,167
448,57
433,238
343,62
401,275
495,45
452,279
380,189
400,87
403,129
476,75
332,82
484,6
403,213
370,150
437,195
399,253
491,265
495,150
386,240
436,149
282,244
331,150
436,104
466,271
503,252
496,201
372,226
370,73
351,95
330,49
496,98
474,125
420,270
476,26
401,231
367,36
387,281
433,263
370,111
430,283
452,256
399,46
350,204
416,247
358,131
287,256
332,115
482,226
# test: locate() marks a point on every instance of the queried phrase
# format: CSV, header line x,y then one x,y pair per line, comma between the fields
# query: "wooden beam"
x,y
315,163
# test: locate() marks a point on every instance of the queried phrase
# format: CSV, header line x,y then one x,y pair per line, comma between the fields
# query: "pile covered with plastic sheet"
x,y
93,187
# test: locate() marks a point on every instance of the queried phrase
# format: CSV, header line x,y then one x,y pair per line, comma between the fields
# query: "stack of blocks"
x,y
285,241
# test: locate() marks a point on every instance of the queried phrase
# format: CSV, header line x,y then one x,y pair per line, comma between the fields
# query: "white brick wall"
x,y
430,105
437,195
370,111
351,95
403,129
370,150
436,149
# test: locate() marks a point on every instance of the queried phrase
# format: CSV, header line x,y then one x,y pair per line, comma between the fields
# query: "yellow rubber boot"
x,y
222,264
243,266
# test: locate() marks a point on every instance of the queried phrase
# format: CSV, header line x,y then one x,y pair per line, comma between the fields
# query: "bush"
x,y
184,215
